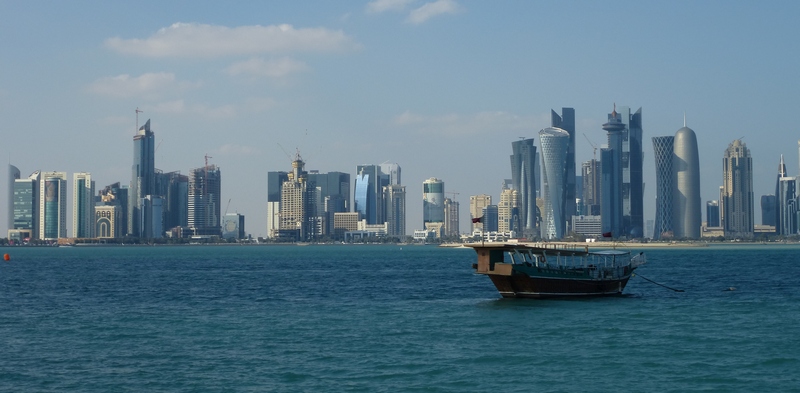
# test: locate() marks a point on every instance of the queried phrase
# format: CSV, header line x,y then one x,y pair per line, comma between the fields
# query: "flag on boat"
x,y
477,220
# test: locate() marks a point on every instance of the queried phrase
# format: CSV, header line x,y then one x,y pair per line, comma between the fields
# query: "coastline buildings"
x,y
433,205
712,214
555,145
275,180
611,178
25,213
686,208
205,186
524,179
110,212
143,180
662,152
768,212
590,176
395,197
451,220
295,204
737,191
52,205
83,213
622,197
566,122
785,202
476,205
13,175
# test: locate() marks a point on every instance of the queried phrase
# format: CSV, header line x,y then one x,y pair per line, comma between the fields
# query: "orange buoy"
x,y
6,257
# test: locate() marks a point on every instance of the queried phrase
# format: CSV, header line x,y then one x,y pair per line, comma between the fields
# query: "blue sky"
x,y
441,87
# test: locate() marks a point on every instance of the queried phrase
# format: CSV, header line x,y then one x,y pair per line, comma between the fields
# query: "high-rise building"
x,y
368,197
785,202
490,218
174,188
52,205
332,196
275,182
25,213
432,202
611,210
712,214
555,144
392,172
590,173
737,198
13,175
686,208
205,186
395,197
524,177
476,205
663,150
83,214
769,213
566,122
508,210
233,226
143,180
296,216
632,173
451,220
151,217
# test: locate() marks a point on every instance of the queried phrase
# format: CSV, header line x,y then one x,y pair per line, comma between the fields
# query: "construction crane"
x,y
453,194
594,147
227,206
137,119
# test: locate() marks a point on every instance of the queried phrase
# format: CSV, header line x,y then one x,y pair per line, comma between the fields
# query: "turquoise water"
x,y
387,319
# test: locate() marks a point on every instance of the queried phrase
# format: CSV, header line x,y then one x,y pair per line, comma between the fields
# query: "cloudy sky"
x,y
441,87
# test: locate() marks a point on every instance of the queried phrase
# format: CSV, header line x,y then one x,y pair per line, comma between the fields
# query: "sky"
x,y
440,87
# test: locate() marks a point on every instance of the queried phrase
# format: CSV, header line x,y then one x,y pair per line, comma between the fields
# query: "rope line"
x,y
662,285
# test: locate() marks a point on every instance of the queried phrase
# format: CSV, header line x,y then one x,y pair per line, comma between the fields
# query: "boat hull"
x,y
523,286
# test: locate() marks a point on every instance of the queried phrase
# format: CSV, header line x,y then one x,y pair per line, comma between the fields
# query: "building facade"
x,y
686,205
737,193
52,205
83,214
395,197
590,174
566,122
451,221
663,150
204,208
555,144
25,200
432,202
476,205
143,180
525,179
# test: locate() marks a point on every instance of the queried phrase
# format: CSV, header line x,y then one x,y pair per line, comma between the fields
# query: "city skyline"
x,y
356,82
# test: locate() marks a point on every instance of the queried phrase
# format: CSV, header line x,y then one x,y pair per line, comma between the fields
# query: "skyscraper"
x,y
143,180
555,145
204,212
451,221
368,197
687,211
663,147
785,202
26,206
566,122
768,211
83,215
712,214
275,182
508,210
524,177
737,195
13,175
111,216
632,173
590,174
395,197
432,202
611,210
52,205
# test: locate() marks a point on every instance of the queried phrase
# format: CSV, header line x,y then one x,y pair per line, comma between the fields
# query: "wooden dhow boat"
x,y
551,270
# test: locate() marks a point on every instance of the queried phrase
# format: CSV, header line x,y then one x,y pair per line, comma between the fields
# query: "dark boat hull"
x,y
524,286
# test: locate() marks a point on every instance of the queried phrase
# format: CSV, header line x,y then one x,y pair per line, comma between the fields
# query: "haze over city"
x,y
440,87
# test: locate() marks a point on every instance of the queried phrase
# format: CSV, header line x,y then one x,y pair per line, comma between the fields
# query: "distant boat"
x,y
552,271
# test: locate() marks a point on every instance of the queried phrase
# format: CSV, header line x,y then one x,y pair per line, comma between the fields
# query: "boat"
x,y
550,270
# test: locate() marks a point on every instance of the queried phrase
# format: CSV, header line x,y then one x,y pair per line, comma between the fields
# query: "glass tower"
x,y
143,180
566,122
555,145
737,193
662,152
524,178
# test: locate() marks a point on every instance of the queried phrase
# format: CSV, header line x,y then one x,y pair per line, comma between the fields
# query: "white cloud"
x,y
258,104
429,10
481,123
379,6
274,68
201,40
145,85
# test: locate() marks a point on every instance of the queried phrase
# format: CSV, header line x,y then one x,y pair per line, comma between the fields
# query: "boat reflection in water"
x,y
553,270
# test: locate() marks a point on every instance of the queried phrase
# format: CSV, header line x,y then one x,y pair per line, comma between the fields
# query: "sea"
x,y
388,318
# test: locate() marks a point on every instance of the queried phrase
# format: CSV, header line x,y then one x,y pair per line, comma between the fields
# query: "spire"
x,y
782,168
684,118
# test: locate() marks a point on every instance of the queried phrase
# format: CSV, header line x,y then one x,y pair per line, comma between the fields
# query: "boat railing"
x,y
571,260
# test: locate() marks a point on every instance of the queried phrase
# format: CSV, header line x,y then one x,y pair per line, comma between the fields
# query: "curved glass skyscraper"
x,y
554,143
